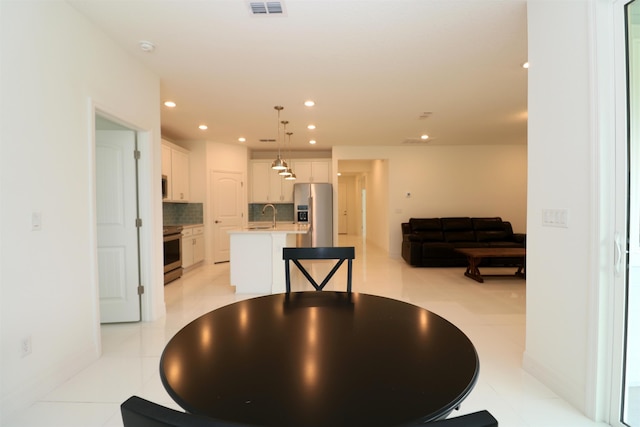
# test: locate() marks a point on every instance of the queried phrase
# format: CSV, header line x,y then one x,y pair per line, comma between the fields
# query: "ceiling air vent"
x,y
266,8
417,141
267,140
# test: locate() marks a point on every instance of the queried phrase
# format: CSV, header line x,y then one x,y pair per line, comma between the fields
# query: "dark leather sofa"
x,y
431,242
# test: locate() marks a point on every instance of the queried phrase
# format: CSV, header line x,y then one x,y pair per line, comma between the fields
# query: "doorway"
x,y
227,210
625,387
117,222
630,405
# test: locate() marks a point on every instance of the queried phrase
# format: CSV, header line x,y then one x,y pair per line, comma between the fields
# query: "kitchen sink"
x,y
260,227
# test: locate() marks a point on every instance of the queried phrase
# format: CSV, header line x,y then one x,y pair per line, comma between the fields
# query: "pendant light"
x,y
285,172
290,176
279,164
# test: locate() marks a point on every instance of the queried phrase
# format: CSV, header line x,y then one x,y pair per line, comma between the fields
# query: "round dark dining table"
x,y
320,359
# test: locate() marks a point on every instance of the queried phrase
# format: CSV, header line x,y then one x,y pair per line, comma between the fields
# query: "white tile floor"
x,y
491,314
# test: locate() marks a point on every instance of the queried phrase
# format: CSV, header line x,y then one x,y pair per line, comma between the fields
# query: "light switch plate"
x,y
555,218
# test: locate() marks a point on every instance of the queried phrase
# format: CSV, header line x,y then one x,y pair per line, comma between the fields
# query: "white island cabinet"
x,y
256,264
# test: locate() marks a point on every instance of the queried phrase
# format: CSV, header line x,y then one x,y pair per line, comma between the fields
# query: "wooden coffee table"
x,y
475,256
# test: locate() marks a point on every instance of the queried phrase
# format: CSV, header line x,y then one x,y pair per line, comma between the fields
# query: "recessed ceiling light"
x,y
241,139
170,104
313,141
309,103
311,127
339,174
425,136
203,127
525,65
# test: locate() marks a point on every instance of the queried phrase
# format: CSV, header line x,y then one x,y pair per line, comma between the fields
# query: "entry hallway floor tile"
x,y
492,314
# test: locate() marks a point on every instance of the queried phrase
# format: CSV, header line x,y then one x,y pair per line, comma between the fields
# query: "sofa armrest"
x,y
520,238
406,228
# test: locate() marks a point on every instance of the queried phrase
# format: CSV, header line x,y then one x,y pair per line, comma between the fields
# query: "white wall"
x,y
443,181
53,65
561,141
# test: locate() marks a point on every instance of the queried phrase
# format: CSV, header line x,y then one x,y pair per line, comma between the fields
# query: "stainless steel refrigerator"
x,y
313,206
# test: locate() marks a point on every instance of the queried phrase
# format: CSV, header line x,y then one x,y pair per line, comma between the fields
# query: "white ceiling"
x,y
373,67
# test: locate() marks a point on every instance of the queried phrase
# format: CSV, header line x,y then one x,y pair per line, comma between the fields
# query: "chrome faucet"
x,y
275,211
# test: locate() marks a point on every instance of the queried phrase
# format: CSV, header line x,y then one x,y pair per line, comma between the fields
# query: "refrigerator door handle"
x,y
310,213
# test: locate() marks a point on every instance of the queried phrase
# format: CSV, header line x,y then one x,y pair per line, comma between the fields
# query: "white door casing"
x,y
116,213
227,210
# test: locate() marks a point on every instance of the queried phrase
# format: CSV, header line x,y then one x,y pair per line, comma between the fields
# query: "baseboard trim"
x,y
38,386
559,384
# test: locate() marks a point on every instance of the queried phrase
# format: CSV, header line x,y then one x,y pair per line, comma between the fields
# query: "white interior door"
x,y
227,210
342,208
116,212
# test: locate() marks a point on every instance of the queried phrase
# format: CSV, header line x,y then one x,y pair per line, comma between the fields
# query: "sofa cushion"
x,y
492,236
437,250
457,224
460,236
470,244
425,224
426,236
487,223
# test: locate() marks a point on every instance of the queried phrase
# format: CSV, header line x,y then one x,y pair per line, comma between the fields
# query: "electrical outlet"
x,y
25,346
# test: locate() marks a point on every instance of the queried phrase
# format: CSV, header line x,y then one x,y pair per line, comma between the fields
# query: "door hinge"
x,y
140,290
138,222
136,154
241,183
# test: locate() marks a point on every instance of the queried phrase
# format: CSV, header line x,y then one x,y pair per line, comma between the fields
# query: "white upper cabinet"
x,y
267,186
260,184
312,170
175,166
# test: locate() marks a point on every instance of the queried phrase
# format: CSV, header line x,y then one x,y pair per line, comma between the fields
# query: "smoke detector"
x,y
147,46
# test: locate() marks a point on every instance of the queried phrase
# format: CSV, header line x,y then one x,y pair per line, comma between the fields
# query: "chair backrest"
x,y
474,419
138,412
340,253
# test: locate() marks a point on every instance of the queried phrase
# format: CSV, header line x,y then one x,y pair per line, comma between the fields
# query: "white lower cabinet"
x,y
192,245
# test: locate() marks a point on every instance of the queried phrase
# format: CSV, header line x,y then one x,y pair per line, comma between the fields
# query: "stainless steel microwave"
x,y
165,189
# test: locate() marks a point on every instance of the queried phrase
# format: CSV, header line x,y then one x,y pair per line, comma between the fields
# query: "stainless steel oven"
x,y
172,237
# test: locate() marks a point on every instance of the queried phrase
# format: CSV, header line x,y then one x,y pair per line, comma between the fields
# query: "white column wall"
x,y
54,65
561,176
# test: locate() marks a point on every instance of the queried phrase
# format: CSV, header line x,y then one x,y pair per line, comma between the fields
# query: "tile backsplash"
x,y
182,213
285,212
193,213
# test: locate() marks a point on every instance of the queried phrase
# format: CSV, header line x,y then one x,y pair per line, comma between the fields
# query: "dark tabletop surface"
x,y
320,359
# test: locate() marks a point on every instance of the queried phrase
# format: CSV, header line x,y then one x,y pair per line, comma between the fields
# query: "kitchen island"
x,y
256,256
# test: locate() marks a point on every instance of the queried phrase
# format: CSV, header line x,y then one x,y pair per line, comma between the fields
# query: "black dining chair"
x,y
474,419
340,253
138,412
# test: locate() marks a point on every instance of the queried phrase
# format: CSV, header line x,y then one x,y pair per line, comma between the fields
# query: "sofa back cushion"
x,y
487,223
491,230
458,229
426,230
425,224
457,224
